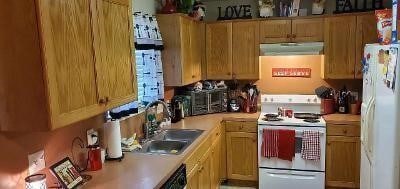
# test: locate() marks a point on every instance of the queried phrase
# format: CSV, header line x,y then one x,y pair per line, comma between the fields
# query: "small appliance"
x,y
208,101
177,109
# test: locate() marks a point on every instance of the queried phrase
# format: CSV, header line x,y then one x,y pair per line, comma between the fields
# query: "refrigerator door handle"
x,y
365,123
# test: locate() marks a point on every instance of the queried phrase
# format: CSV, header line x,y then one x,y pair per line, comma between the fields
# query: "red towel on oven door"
x,y
269,146
311,149
286,144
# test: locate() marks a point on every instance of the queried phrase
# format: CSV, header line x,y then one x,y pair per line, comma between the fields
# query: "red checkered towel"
x,y
310,149
269,146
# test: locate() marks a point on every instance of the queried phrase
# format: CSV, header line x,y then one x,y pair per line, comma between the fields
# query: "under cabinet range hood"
x,y
280,49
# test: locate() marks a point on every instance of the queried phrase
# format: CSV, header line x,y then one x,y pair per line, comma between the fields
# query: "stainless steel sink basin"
x,y
180,134
171,141
165,146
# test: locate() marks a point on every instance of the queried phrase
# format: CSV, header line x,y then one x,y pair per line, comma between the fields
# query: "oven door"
x,y
298,163
284,179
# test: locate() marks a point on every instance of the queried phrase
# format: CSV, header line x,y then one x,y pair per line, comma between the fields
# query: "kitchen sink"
x,y
165,146
170,141
179,134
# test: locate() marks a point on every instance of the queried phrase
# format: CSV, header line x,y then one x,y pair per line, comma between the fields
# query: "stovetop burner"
x,y
311,120
307,116
272,119
271,115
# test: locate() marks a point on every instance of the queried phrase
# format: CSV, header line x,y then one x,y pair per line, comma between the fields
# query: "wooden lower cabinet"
x,y
241,152
206,173
343,161
216,163
343,151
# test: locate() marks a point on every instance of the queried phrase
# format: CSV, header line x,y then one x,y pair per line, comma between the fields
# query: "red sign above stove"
x,y
291,72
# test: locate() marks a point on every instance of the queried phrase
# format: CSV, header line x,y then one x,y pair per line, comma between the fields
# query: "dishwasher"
x,y
177,180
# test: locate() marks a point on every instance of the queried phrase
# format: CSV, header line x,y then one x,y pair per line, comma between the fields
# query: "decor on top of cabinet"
x,y
198,11
184,6
169,7
235,12
318,7
346,6
266,8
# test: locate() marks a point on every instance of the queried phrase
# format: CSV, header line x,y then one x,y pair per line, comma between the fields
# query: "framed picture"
x,y
67,174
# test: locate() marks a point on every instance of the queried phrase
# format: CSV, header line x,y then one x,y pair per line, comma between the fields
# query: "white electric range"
x,y
275,173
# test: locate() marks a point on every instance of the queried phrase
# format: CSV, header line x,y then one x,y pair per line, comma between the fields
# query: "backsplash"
x,y
56,144
297,85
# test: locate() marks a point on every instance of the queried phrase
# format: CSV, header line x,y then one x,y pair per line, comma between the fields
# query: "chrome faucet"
x,y
167,114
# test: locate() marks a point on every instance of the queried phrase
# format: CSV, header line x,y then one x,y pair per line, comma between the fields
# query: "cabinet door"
x,y
340,33
219,50
216,163
186,52
115,67
197,44
193,179
241,149
67,43
245,50
275,31
343,161
366,33
308,30
205,171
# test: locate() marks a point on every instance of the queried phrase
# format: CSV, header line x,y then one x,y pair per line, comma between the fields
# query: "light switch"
x,y
36,162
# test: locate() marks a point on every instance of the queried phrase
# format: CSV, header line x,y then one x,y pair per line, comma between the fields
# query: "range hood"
x,y
279,49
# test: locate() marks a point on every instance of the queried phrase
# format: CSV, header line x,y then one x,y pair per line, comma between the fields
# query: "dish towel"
x,y
286,144
269,146
310,149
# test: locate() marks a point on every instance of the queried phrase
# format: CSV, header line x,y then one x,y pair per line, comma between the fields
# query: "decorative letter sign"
x,y
291,72
235,12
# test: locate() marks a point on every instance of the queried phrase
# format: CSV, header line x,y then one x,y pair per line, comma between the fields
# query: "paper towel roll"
x,y
112,137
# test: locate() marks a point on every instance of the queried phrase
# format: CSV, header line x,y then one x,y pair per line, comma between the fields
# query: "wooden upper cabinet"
x,y
339,47
183,52
308,30
79,53
68,56
245,50
275,31
366,34
113,50
219,50
186,53
197,48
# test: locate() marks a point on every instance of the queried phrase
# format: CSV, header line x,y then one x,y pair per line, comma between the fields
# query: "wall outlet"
x,y
36,162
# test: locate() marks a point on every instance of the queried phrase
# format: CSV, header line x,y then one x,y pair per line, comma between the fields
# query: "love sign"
x,y
235,12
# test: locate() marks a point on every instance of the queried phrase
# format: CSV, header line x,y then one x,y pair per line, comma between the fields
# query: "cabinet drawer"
x,y
194,158
343,130
250,127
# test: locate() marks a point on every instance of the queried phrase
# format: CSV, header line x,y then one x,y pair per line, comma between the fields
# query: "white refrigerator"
x,y
380,113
